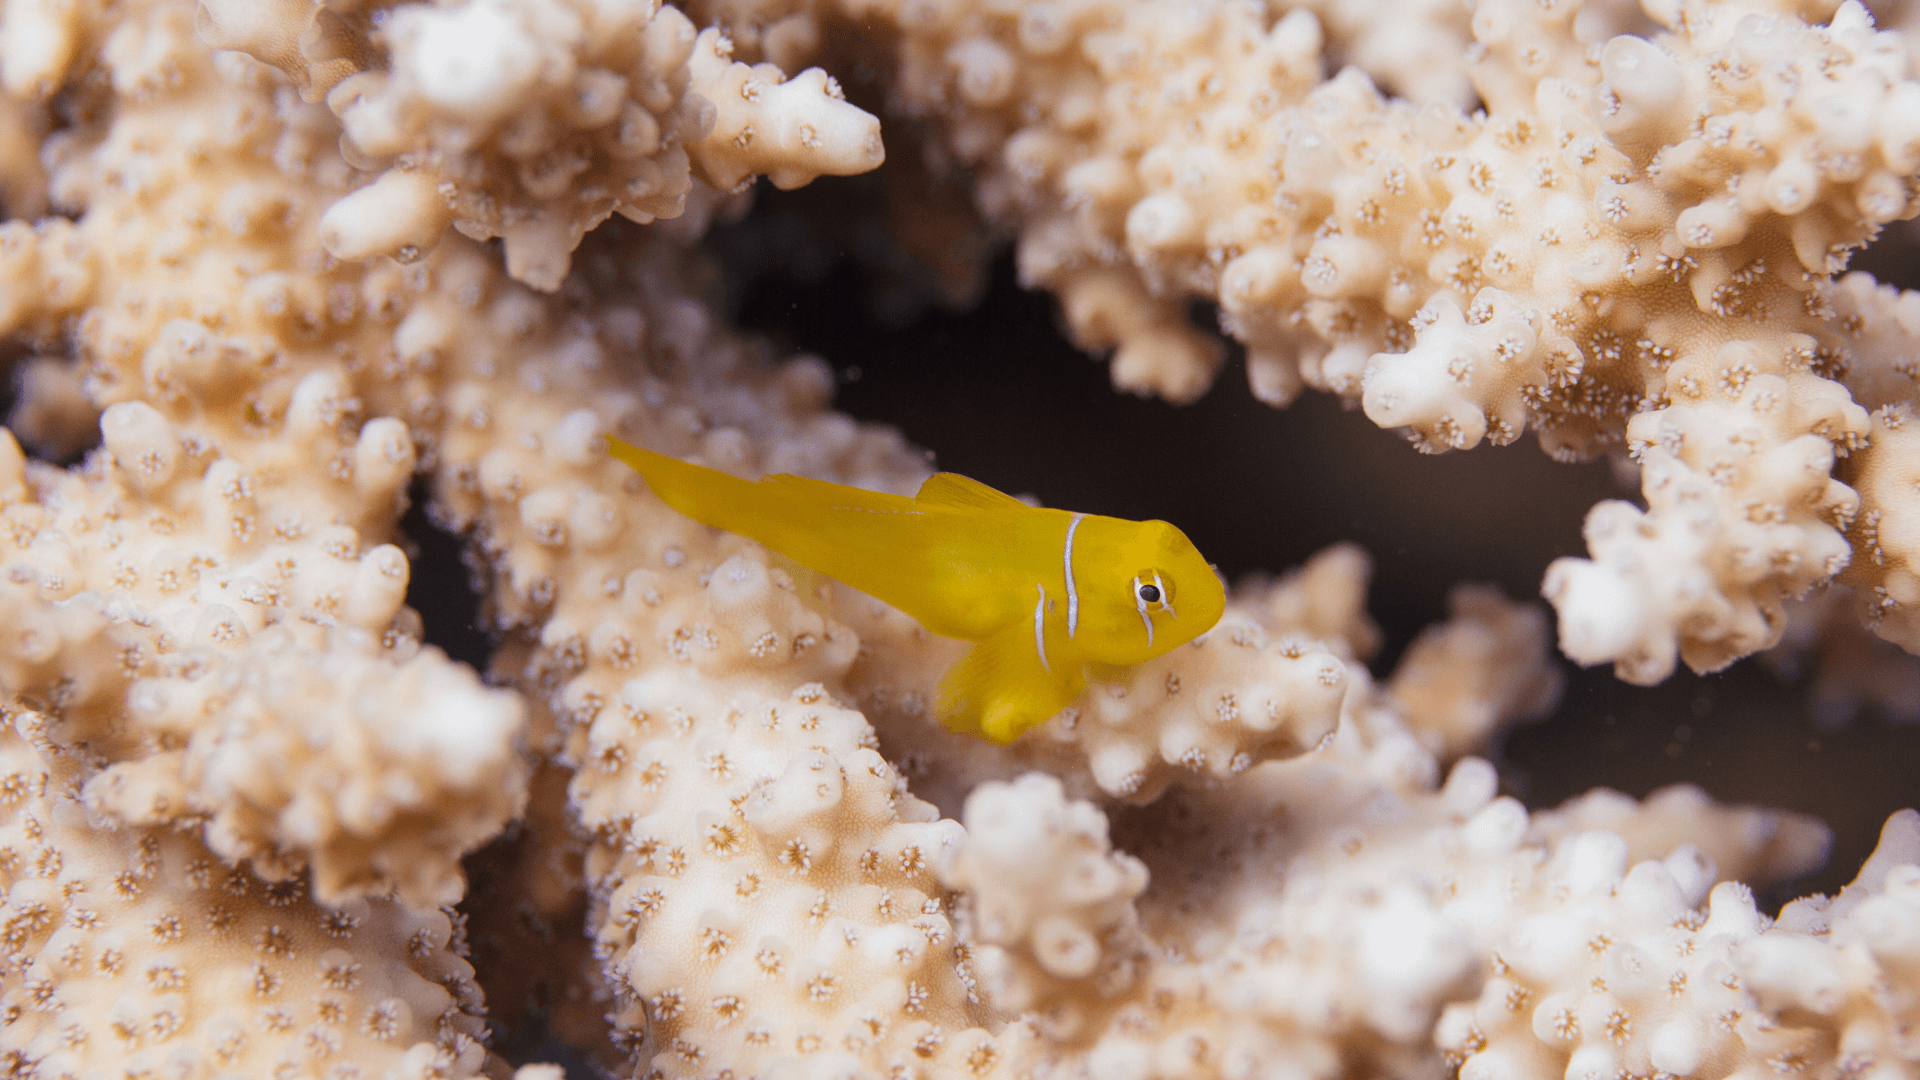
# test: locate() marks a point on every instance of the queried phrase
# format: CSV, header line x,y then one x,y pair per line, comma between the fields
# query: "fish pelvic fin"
x,y
999,688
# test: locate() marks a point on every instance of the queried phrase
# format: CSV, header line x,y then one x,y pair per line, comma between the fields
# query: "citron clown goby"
x,y
1044,594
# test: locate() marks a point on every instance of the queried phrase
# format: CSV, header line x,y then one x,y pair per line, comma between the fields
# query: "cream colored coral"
x,y
1048,902
1887,532
1484,670
764,884
766,893
41,39
315,43
792,130
536,121
1745,843
378,766
1215,706
1742,514
235,519
530,122
1625,970
1312,916
1637,227
234,631
140,950
1878,356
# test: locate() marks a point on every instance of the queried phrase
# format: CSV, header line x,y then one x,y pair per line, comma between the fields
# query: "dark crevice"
x,y
1894,257
439,588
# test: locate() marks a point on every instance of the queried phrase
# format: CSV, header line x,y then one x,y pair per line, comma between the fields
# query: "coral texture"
x,y
238,793
1627,969
1629,249
138,949
536,121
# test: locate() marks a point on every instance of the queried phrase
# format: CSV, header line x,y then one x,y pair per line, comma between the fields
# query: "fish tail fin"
x,y
999,689
847,533
708,496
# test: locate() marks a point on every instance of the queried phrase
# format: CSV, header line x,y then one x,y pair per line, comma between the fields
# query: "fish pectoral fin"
x,y
1109,674
999,689
952,489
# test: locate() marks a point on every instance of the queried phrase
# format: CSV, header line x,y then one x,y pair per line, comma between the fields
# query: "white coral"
x,y
1048,900
1630,244
203,624
1622,969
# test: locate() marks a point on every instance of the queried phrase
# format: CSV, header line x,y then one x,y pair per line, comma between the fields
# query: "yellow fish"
x,y
1044,594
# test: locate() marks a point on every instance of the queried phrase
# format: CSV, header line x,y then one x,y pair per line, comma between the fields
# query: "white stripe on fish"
x,y
1073,594
1040,628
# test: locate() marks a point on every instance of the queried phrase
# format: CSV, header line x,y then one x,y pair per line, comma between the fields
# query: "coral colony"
x,y
250,244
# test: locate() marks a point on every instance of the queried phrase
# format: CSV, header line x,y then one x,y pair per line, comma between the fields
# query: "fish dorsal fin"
x,y
952,489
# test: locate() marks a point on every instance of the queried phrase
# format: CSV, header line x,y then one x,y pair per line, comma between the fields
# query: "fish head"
x,y
1144,589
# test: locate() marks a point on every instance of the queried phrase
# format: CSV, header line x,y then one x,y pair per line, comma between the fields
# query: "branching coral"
x,y
1628,970
1628,249
138,949
535,122
236,787
1312,919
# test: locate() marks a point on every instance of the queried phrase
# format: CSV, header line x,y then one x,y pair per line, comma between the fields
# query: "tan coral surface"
x,y
1631,247
238,793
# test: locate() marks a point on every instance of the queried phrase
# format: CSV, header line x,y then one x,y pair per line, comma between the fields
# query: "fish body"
x,y
1042,593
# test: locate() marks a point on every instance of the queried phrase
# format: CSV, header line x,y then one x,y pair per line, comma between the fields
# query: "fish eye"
x,y
1151,591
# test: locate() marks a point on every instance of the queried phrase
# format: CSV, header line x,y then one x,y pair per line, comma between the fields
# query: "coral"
x,y
1744,842
765,889
1049,904
1880,362
1314,917
1848,666
1627,969
240,795
189,628
1631,247
1484,670
535,122
792,130
140,949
